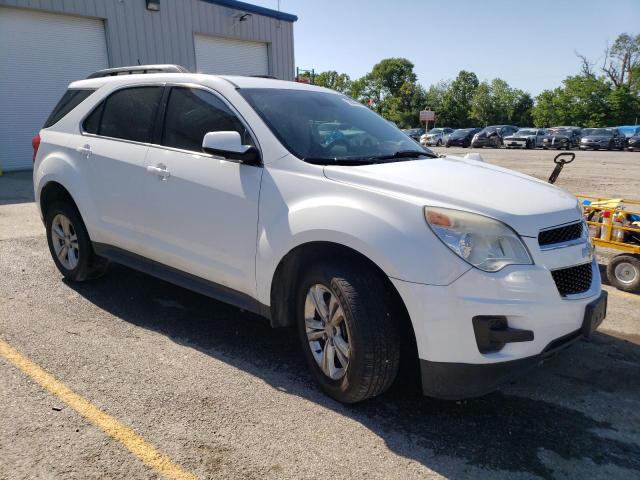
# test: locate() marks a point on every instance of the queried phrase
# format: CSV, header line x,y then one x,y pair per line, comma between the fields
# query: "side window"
x,y
191,113
128,114
70,100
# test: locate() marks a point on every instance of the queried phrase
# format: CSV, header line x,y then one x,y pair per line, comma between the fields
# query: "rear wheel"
x,y
348,329
623,272
70,245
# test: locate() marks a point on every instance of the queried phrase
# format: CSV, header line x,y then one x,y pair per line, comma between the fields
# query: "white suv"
x,y
302,205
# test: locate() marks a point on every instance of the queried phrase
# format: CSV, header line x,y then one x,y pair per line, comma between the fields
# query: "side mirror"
x,y
229,145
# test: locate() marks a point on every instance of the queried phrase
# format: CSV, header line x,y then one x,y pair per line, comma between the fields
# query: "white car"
x,y
525,138
436,137
302,205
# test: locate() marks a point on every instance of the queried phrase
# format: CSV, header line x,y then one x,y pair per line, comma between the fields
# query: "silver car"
x,y
436,136
525,138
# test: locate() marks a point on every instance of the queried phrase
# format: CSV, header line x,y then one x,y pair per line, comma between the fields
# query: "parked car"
x,y
558,138
602,138
436,136
633,143
461,137
414,133
492,136
371,246
629,130
525,138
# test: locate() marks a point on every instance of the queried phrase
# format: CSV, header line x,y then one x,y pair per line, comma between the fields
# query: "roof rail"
x,y
134,69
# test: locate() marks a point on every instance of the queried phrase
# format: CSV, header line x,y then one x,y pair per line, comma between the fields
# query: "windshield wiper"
x,y
406,154
339,161
369,160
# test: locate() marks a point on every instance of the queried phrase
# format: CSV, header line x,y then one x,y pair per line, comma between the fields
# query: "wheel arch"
x,y
287,275
52,192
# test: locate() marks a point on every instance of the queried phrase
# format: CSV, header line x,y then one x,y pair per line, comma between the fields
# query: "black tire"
x,y
625,263
89,265
372,322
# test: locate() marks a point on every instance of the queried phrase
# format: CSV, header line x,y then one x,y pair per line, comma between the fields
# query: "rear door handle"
x,y
159,170
85,150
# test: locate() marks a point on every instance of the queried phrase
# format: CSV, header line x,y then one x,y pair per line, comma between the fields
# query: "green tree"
x,y
339,82
522,110
392,87
435,95
483,105
622,59
456,103
546,112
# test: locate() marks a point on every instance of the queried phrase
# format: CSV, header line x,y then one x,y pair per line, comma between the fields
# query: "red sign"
x,y
427,116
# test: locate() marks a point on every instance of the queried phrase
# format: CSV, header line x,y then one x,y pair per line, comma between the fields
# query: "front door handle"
x,y
159,170
85,150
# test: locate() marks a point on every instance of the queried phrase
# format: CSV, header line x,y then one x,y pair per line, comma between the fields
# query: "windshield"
x,y
327,126
558,131
462,133
526,131
488,130
605,132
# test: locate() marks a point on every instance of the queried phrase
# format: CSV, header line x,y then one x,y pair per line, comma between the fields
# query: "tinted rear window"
x,y
70,100
128,114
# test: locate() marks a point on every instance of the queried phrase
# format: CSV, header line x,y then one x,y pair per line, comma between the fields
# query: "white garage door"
x,y
224,56
40,54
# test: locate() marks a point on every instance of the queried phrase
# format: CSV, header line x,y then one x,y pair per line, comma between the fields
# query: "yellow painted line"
x,y
126,436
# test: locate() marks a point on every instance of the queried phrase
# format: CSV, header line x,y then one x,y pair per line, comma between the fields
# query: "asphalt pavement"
x,y
216,393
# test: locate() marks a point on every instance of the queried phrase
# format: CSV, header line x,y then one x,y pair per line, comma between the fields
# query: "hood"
x,y
522,202
558,136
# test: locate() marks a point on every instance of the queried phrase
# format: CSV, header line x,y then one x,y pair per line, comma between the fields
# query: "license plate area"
x,y
594,314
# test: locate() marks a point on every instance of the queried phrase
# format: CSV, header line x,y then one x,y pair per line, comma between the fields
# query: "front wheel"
x,y
70,245
623,272
348,329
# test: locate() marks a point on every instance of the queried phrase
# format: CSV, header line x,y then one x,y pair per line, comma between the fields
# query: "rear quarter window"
x,y
70,100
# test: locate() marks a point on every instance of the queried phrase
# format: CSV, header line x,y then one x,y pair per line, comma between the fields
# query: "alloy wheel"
x,y
327,331
65,241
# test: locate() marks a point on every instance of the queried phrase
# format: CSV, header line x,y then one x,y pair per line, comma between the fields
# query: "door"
x,y
202,211
226,56
114,144
40,54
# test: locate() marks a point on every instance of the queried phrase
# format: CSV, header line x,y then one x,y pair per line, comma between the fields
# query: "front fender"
x,y
298,205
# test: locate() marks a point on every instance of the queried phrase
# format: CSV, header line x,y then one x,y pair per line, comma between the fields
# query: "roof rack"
x,y
135,69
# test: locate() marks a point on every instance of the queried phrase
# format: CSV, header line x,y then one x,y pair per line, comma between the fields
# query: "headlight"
x,y
483,242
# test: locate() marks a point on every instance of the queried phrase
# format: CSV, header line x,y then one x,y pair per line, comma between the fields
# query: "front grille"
x,y
561,234
573,280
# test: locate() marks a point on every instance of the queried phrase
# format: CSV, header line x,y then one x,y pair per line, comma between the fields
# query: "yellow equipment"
x,y
615,223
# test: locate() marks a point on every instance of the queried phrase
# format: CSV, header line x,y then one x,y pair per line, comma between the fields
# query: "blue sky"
x,y
529,44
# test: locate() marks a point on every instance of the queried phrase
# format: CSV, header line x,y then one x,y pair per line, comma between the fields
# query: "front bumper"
x,y
482,142
447,346
515,143
456,142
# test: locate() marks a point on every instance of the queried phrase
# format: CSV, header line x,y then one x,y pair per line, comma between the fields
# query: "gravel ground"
x,y
225,396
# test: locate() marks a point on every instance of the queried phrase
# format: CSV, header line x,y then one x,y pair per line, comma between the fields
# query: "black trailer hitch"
x,y
560,163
